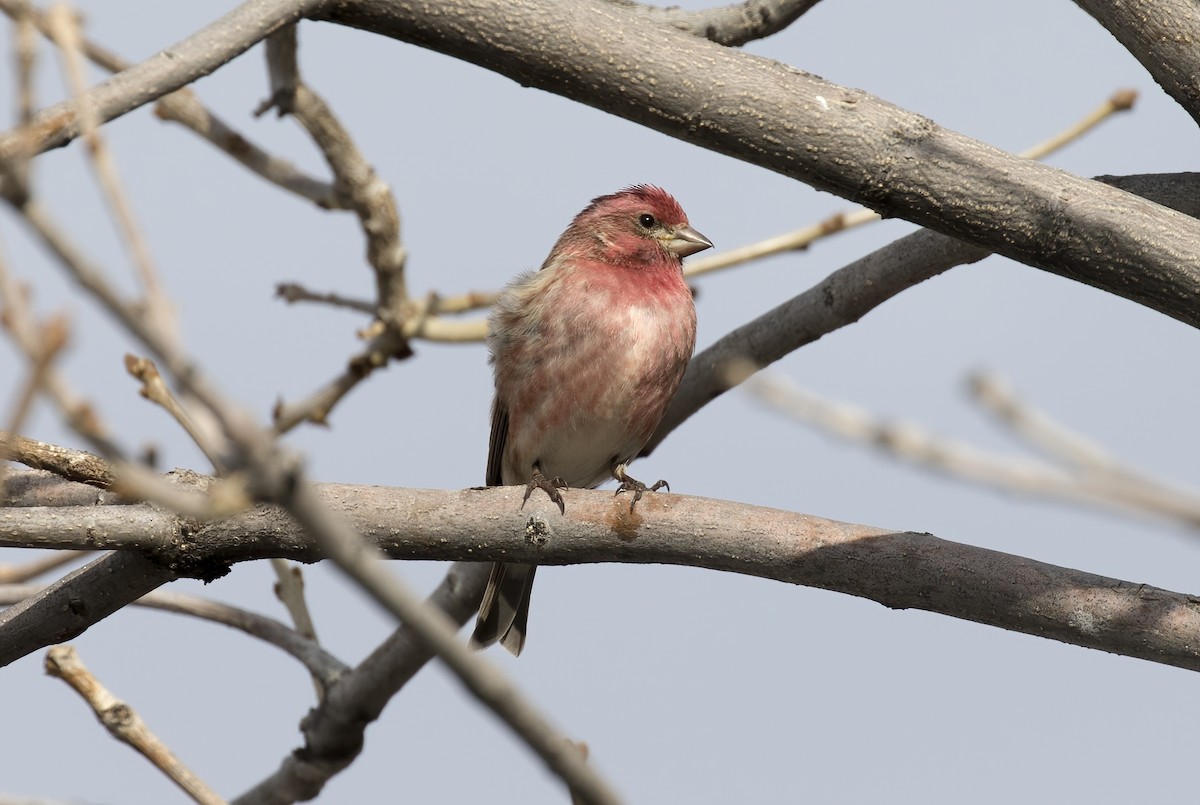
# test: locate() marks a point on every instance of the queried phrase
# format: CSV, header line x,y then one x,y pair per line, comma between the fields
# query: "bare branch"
x,y
125,724
962,581
1035,427
587,52
166,71
289,589
156,391
372,201
834,138
184,108
728,25
1162,35
18,574
335,730
431,627
1119,101
291,293
77,601
320,663
851,292
1091,478
63,28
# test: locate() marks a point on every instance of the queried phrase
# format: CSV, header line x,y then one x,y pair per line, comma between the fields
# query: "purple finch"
x,y
586,353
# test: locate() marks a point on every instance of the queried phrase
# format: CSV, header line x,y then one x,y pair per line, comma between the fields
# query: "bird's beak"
x,y
685,241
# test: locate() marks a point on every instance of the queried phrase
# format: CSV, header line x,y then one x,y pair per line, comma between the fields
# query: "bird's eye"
x,y
646,220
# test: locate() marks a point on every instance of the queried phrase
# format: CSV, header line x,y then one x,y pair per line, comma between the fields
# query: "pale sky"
x,y
688,685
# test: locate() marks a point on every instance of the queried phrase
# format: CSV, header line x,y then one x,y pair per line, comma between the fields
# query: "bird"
x,y
586,354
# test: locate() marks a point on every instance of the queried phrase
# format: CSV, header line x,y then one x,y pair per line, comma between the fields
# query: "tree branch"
x,y
66,608
899,570
727,25
334,731
124,724
164,72
320,663
849,293
1162,35
343,544
766,113
837,139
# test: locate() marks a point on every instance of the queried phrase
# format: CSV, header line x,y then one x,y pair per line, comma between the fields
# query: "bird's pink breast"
x,y
602,353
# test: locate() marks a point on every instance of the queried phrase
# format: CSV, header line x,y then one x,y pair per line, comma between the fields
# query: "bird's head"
x,y
640,224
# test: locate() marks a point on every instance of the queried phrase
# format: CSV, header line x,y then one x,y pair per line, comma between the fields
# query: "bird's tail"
x,y
504,611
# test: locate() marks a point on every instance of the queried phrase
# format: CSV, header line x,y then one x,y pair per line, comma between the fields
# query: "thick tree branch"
x,y
1163,36
728,25
899,570
78,600
832,137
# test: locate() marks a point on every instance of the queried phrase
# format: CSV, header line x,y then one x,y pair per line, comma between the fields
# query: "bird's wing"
x,y
496,444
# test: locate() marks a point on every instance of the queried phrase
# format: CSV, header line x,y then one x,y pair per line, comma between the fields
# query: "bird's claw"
x,y
638,488
548,485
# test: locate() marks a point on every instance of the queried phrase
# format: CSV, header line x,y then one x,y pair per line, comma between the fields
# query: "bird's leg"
x,y
631,484
547,485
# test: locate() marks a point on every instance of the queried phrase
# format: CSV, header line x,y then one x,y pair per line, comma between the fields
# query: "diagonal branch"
x,y
731,25
164,72
124,724
320,663
335,730
1162,35
834,138
77,601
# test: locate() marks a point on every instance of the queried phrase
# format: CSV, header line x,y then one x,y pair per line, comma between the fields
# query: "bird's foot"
x,y
548,485
631,484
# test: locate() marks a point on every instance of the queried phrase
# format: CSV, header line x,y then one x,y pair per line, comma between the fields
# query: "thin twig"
x,y
1095,485
292,292
997,397
19,574
124,724
320,664
23,14
289,589
156,391
64,31
49,341
184,108
373,203
136,480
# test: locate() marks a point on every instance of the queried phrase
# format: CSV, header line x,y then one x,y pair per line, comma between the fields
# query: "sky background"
x,y
688,685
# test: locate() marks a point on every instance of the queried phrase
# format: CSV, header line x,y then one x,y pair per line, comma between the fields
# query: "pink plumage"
x,y
587,354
